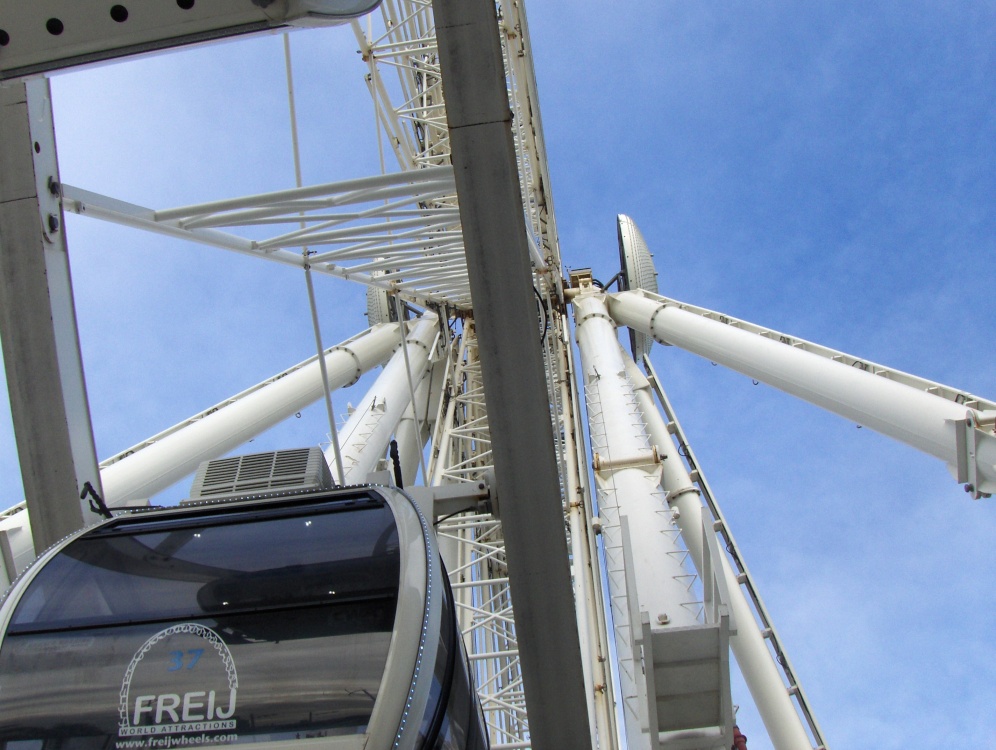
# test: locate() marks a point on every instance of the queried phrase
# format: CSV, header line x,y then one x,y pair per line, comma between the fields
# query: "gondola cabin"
x,y
296,619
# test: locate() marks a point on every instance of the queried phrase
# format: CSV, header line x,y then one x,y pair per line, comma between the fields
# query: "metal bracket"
x,y
581,281
447,499
966,469
716,594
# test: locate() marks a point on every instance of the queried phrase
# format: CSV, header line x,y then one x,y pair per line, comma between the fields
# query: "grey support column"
x,y
526,469
38,321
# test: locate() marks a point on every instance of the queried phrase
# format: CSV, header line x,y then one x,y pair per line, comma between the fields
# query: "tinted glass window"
x,y
441,674
241,630
182,569
453,718
467,728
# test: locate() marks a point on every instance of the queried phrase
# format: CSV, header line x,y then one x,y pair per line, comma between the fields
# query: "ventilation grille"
x,y
258,473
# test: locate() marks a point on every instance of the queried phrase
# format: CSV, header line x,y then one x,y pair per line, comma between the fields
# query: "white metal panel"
x,y
45,35
637,262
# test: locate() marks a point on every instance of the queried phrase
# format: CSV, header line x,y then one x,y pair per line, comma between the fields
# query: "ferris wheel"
x,y
596,579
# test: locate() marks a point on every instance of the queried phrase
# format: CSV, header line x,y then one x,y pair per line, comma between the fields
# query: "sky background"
x,y
824,169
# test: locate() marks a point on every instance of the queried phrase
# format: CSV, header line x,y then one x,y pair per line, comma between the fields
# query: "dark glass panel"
x,y
233,565
321,677
228,627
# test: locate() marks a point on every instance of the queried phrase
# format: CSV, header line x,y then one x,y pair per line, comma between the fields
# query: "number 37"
x,y
177,661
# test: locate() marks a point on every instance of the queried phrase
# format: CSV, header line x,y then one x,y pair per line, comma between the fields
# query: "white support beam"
x,y
627,469
772,698
158,465
627,466
587,570
916,417
367,433
417,422
38,321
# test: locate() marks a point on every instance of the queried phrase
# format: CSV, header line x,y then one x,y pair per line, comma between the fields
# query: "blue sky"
x,y
828,170
825,169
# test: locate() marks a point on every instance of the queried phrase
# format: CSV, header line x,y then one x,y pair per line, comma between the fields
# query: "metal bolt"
x,y
53,223
54,187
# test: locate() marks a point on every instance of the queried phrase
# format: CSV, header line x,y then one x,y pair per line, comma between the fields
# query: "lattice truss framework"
x,y
405,82
473,547
399,231
474,550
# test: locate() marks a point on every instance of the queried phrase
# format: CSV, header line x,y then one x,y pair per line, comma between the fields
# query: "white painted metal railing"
x,y
399,232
